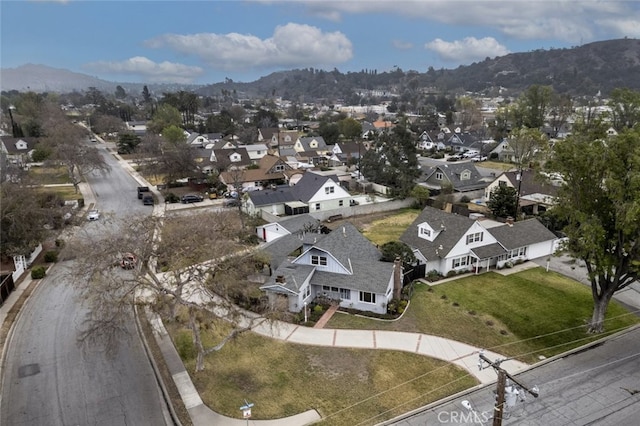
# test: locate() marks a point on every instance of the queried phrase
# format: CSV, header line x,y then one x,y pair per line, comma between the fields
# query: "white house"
x,y
447,242
342,266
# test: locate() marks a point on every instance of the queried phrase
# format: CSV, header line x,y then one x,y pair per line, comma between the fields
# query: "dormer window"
x,y
439,175
465,175
426,232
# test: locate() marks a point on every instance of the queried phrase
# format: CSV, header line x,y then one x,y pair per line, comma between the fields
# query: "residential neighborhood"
x,y
329,219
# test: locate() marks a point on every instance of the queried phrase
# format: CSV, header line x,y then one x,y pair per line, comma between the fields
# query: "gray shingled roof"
x,y
521,234
454,228
294,275
299,222
486,252
453,172
371,276
346,244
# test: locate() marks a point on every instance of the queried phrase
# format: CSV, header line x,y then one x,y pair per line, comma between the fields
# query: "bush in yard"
x,y
38,273
185,346
51,256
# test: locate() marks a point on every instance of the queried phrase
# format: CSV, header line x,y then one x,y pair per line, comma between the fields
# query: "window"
x,y
306,292
502,184
466,175
460,261
329,190
472,238
345,294
438,175
317,206
340,203
425,232
519,252
279,167
367,297
318,260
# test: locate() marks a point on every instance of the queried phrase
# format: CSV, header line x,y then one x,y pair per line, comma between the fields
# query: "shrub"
x,y
51,256
318,309
185,346
465,199
452,273
38,273
171,198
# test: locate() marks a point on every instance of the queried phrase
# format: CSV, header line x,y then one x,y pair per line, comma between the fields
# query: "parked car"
x,y
479,158
231,202
141,191
148,200
93,215
454,158
191,198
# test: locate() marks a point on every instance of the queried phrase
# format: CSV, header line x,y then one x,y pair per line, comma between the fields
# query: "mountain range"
x,y
585,70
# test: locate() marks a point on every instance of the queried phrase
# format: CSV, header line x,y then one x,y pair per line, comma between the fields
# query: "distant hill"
x,y
579,71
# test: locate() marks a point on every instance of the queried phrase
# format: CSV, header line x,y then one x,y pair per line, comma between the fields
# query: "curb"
x,y
450,398
156,371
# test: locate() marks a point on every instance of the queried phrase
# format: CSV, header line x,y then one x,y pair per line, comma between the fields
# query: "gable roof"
x,y
452,226
520,234
10,144
298,223
530,183
454,172
223,157
306,143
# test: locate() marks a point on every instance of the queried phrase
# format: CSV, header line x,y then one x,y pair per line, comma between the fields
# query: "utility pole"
x,y
501,404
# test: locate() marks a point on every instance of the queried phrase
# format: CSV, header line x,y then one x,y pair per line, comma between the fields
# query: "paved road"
x,y
600,386
50,379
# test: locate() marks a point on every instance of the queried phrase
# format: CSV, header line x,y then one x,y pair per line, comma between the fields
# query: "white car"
x,y
479,158
93,215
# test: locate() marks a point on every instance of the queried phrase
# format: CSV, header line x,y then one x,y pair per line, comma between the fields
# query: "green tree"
x,y
120,93
330,132
166,115
393,249
127,142
146,96
502,201
350,128
600,200
421,194
174,135
625,108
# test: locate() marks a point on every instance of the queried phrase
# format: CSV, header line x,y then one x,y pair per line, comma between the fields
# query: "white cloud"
x,y
292,45
467,50
567,20
155,72
402,45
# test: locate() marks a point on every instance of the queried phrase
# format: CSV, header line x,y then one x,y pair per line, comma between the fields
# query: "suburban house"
x,y
139,128
342,266
536,194
18,150
342,152
446,242
256,151
271,170
287,226
313,192
430,141
462,177
504,151
221,159
312,143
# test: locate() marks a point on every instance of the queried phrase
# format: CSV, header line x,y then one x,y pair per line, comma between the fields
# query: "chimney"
x,y
510,220
397,278
280,279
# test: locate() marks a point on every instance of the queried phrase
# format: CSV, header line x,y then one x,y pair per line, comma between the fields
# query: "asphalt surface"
x,y
50,378
599,385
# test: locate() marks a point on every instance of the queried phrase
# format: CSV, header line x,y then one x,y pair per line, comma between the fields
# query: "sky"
x,y
206,42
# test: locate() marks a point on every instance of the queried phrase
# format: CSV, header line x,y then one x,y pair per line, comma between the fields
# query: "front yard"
x,y
346,386
526,315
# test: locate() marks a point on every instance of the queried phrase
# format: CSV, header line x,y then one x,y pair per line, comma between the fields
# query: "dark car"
x,y
141,191
148,200
191,198
231,202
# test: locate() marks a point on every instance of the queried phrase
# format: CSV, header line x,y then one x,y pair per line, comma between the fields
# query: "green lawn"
x,y
523,315
390,228
49,175
346,386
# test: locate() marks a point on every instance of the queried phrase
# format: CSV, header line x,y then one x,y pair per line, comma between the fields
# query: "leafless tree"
x,y
192,261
